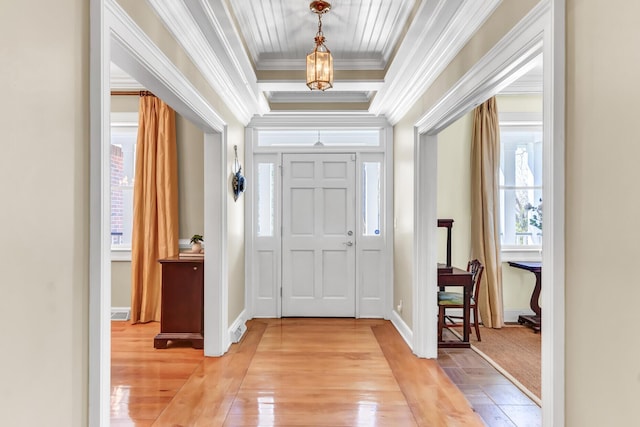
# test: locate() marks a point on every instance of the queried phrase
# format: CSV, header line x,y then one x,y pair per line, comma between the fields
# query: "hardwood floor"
x,y
284,372
491,394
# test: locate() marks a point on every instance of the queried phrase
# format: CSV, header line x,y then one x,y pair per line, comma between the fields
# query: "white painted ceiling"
x,y
362,34
386,52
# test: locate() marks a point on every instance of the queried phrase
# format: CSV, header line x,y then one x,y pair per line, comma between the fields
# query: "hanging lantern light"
x,y
320,61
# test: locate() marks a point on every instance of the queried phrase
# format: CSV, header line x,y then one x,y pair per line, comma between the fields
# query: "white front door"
x,y
318,239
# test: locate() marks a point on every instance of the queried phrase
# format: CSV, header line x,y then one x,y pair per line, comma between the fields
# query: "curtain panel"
x,y
485,210
155,206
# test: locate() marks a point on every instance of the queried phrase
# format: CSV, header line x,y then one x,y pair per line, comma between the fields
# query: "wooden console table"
x,y
182,310
534,321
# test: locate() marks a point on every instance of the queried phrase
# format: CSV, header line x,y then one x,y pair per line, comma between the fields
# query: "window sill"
x,y
120,255
124,254
521,254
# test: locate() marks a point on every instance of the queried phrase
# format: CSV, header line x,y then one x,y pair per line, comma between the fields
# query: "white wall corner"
x,y
238,328
403,329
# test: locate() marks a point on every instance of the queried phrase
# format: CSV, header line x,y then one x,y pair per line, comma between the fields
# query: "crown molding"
x,y
220,18
231,86
266,63
137,55
520,48
319,97
310,120
436,35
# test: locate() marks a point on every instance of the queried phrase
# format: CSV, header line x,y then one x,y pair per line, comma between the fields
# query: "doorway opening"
x,y
542,31
319,217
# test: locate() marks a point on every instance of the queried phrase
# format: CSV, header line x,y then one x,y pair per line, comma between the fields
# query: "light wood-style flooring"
x,y
284,372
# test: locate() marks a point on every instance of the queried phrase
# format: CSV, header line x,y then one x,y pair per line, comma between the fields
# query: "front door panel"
x,y
318,241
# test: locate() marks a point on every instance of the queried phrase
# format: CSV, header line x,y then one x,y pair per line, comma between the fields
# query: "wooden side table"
x,y
534,321
182,309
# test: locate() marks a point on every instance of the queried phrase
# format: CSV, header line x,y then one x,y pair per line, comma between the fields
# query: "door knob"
x,y
349,233
349,243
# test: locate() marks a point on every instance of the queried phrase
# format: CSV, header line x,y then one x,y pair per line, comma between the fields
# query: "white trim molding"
x,y
331,120
513,56
134,52
238,328
216,264
438,32
233,86
403,329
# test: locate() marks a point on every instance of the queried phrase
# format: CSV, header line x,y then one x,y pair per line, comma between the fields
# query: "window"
x,y
521,183
124,131
265,199
371,198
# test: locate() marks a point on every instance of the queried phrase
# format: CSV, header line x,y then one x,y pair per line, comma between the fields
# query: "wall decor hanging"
x,y
238,182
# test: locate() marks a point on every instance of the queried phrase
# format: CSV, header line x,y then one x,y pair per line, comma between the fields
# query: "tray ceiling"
x,y
386,52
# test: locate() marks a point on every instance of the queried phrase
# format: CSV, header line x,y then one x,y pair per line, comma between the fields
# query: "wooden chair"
x,y
456,300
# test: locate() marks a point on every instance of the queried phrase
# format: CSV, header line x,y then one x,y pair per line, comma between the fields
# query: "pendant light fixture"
x,y
320,61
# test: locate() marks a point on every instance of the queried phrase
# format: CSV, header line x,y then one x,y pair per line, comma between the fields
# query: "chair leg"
x,y
476,323
440,322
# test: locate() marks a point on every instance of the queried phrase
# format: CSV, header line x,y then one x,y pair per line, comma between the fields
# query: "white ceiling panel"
x,y
360,34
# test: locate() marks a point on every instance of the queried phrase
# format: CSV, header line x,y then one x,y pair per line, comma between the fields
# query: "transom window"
x,y
319,138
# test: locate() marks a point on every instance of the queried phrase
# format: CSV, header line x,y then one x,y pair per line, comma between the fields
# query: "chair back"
x,y
476,268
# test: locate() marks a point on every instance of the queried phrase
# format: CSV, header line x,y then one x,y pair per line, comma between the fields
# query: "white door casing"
x,y
318,235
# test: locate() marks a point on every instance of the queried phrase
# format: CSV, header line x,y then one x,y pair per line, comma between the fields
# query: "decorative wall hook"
x,y
238,182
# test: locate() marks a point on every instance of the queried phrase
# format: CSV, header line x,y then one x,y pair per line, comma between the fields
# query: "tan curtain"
x,y
155,206
485,205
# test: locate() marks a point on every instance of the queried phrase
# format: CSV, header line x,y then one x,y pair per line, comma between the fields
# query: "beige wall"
x,y
502,20
403,211
146,18
454,189
602,204
44,222
235,227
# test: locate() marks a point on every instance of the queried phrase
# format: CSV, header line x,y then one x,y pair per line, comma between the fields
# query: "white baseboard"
x,y
120,313
403,329
238,328
511,316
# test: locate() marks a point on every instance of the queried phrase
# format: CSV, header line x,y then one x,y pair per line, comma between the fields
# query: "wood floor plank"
x,y
433,398
208,394
284,372
144,380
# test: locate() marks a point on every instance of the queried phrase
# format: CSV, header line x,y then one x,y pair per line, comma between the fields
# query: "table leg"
x,y
534,321
536,295
466,321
